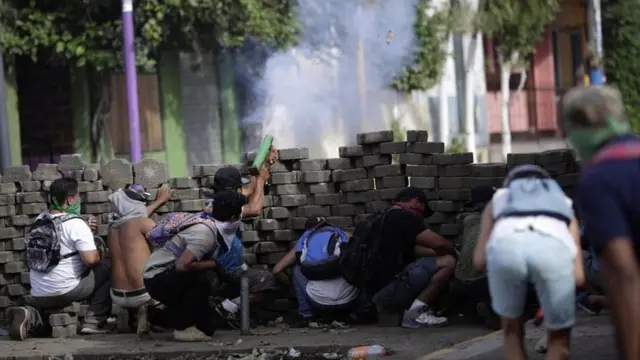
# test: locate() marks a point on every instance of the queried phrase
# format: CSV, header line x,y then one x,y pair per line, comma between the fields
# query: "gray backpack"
x,y
465,270
43,242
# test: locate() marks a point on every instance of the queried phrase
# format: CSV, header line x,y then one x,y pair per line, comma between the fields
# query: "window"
x,y
151,135
575,37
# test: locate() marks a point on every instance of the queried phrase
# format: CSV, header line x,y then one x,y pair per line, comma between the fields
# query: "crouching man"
x,y
130,249
262,284
64,266
400,262
320,289
181,274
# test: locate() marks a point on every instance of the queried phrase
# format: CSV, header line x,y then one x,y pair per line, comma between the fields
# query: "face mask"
x,y
586,142
227,230
414,209
73,209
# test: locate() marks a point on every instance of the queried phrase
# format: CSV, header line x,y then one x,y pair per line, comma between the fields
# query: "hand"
x,y
273,155
92,222
480,260
264,172
164,193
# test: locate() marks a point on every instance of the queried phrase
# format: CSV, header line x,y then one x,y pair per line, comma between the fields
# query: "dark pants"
x,y
186,296
398,294
94,286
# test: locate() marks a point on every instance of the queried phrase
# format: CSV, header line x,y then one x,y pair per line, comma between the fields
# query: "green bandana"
x,y
73,209
586,142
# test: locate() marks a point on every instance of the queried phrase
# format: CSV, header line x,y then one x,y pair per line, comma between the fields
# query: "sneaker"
x,y
19,328
583,303
426,319
230,318
93,328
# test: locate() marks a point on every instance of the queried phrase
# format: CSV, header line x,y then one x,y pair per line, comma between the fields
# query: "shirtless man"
x,y
128,245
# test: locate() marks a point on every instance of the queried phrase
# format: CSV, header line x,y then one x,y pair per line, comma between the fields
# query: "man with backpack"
x,y
64,266
596,126
320,289
129,249
529,233
262,284
399,261
182,271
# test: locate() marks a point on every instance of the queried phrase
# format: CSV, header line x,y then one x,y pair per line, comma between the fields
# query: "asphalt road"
x,y
592,339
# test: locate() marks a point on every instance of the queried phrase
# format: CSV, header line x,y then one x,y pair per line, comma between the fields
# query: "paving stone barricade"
x,y
363,180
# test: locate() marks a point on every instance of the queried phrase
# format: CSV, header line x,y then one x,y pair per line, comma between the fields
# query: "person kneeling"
x,y
181,274
320,289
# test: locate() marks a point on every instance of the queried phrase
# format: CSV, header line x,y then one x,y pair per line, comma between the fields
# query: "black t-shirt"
x,y
398,236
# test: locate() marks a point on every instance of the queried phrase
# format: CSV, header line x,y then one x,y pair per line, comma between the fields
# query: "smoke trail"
x,y
328,88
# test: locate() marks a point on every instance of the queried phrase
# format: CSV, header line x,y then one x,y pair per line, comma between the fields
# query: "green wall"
x,y
169,89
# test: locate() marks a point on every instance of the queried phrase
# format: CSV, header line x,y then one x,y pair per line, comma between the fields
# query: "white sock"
x,y
417,304
229,306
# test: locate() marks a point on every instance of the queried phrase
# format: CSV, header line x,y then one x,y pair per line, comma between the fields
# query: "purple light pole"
x,y
132,81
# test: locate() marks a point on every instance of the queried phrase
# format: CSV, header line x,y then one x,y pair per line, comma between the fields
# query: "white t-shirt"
x,y
75,236
332,292
508,225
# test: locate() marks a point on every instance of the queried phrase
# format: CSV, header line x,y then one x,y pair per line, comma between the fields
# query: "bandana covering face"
x,y
587,142
414,209
227,230
73,209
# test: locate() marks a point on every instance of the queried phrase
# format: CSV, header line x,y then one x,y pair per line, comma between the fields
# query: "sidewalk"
x,y
405,343
592,339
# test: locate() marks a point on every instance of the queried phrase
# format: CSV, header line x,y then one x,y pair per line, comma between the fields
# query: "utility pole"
x,y
5,139
596,66
132,81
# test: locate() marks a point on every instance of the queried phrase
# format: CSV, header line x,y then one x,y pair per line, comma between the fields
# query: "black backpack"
x,y
360,256
42,241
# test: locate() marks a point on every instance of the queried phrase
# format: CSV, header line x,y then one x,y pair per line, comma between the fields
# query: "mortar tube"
x,y
245,328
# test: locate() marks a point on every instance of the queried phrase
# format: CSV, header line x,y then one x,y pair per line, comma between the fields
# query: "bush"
x,y
621,40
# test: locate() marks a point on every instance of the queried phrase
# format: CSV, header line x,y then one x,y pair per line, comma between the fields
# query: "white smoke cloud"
x,y
330,87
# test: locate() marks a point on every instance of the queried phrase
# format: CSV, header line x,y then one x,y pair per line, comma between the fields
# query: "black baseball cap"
x,y
229,178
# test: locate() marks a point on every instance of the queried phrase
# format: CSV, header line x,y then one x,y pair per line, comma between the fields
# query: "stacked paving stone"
x,y
361,181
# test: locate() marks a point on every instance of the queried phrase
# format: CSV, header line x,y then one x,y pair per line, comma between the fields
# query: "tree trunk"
x,y
443,98
505,75
469,96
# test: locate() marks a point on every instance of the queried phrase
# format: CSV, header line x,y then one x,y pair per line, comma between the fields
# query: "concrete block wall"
x,y
363,180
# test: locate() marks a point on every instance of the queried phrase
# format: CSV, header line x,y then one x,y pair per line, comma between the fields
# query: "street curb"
x,y
439,354
165,355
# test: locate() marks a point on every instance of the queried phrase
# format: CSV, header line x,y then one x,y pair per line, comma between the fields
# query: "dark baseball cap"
x,y
229,178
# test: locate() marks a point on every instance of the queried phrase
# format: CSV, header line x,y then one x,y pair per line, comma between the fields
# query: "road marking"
x,y
459,346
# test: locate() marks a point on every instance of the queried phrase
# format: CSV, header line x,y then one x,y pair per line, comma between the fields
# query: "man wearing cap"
x,y
128,246
262,283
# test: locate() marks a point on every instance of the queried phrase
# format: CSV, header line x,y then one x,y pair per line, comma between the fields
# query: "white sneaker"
x,y
429,319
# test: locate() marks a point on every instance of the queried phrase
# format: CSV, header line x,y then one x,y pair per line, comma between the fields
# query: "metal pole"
x,y
596,75
132,80
245,326
5,139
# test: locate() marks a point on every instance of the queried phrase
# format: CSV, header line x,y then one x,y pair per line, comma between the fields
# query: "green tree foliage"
x,y
432,32
89,32
621,40
515,25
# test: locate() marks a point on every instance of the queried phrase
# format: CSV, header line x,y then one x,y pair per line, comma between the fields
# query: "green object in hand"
x,y
263,151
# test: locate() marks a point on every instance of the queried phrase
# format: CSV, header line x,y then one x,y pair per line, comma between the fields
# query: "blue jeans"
x,y
528,256
358,309
407,285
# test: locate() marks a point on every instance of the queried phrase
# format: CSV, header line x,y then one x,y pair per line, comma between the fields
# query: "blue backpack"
x,y
532,192
319,252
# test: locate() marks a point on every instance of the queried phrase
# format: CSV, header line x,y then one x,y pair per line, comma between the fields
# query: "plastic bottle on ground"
x,y
367,352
